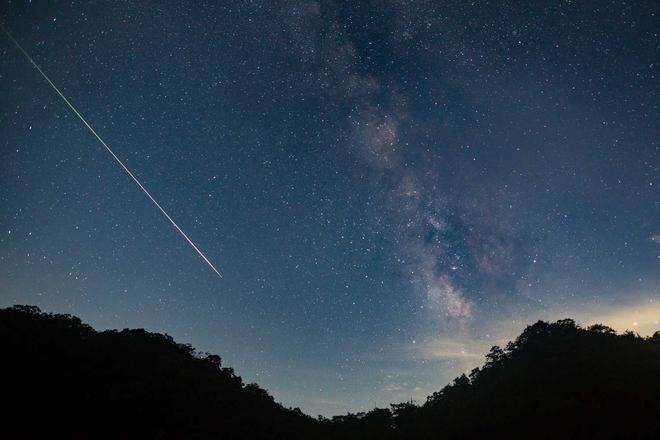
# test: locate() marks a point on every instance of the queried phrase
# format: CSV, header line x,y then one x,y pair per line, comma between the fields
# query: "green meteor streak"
x,y
77,113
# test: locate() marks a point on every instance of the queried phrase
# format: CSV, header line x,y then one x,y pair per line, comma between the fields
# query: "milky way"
x,y
392,187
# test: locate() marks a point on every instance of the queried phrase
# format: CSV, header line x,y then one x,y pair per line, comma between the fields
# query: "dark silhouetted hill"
x,y
555,381
61,378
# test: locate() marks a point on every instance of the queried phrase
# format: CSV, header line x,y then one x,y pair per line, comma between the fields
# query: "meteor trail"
x,y
77,113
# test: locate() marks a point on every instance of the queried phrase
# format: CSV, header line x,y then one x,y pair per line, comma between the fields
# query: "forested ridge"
x,y
556,380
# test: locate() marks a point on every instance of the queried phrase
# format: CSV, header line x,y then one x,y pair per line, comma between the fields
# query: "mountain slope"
x,y
62,376
554,381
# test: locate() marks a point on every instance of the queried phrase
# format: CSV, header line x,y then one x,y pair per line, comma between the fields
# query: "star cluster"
x,y
388,187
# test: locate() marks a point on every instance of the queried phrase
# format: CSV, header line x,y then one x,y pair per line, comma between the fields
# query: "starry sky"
x,y
388,187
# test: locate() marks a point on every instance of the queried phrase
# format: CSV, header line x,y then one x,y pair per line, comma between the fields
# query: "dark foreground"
x,y
62,379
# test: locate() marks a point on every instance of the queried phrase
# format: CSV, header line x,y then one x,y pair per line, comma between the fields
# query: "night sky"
x,y
388,188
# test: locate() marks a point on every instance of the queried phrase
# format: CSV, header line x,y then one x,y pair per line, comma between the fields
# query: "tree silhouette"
x,y
61,378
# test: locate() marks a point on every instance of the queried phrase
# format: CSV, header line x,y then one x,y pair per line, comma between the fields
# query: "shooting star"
x,y
80,116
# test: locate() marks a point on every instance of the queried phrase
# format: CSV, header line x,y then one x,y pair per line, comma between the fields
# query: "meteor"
x,y
80,116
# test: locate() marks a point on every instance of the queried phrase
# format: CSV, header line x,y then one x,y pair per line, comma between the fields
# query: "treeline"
x,y
66,380
61,378
556,380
